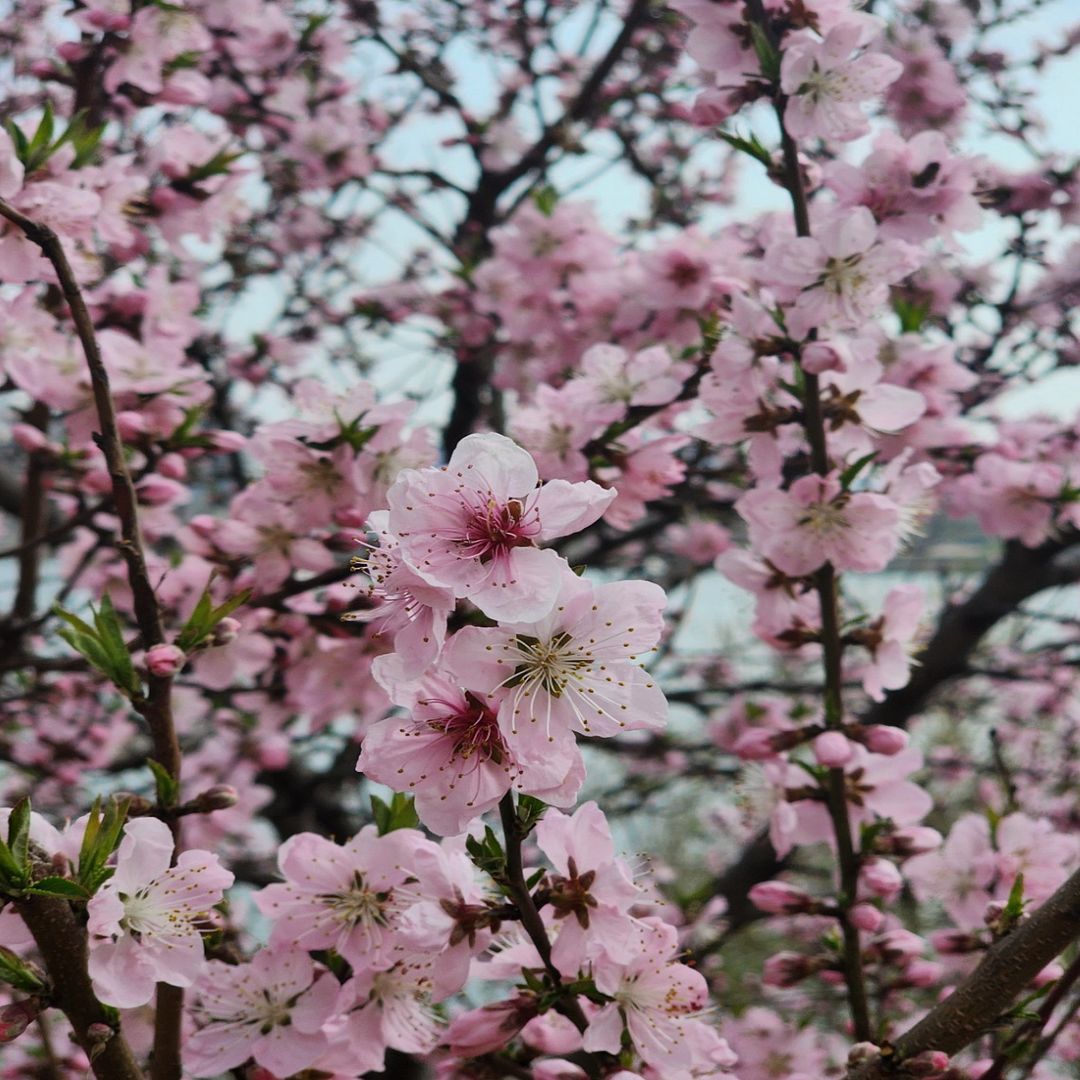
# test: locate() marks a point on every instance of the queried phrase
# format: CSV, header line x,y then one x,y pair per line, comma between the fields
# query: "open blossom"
x,y
816,522
406,608
473,526
657,1000
385,1010
347,897
452,754
272,1010
827,86
145,921
572,671
590,893
843,271
889,640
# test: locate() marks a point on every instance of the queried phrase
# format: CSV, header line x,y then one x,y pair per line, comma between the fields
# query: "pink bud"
x,y
203,525
130,425
881,878
929,1064
71,51
786,969
164,661
1051,973
911,840
228,442
159,491
779,898
884,739
17,1017
755,745
866,917
173,466
219,797
28,437
951,942
350,518
820,356
832,749
923,973
97,481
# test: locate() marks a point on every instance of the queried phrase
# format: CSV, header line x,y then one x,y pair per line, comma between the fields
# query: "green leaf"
x,y
911,314
100,840
529,812
37,153
12,876
847,477
545,199
205,617
59,886
18,973
1014,906
122,670
18,838
18,138
487,854
768,57
168,788
751,147
399,814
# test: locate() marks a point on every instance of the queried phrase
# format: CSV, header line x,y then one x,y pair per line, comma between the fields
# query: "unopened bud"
x,y
912,840
929,1063
219,797
866,917
955,942
17,1017
882,738
832,749
788,968
165,661
862,1051
779,898
881,878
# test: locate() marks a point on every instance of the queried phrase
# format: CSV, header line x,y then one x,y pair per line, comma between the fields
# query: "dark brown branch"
x,y
63,947
985,995
156,709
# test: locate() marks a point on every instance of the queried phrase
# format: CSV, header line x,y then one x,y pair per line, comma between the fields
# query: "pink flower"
x,y
843,271
592,892
347,897
473,526
827,86
817,522
573,670
889,639
453,755
145,921
271,1010
387,1009
655,999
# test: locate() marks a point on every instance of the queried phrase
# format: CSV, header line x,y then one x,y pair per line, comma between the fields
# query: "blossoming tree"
x,y
454,447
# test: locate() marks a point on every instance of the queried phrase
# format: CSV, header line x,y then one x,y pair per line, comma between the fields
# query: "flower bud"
x,y
819,356
862,1051
866,917
130,424
779,898
159,491
911,840
929,1063
832,749
29,438
17,1017
955,942
165,661
881,878
883,739
218,797
923,973
173,466
787,968
228,442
